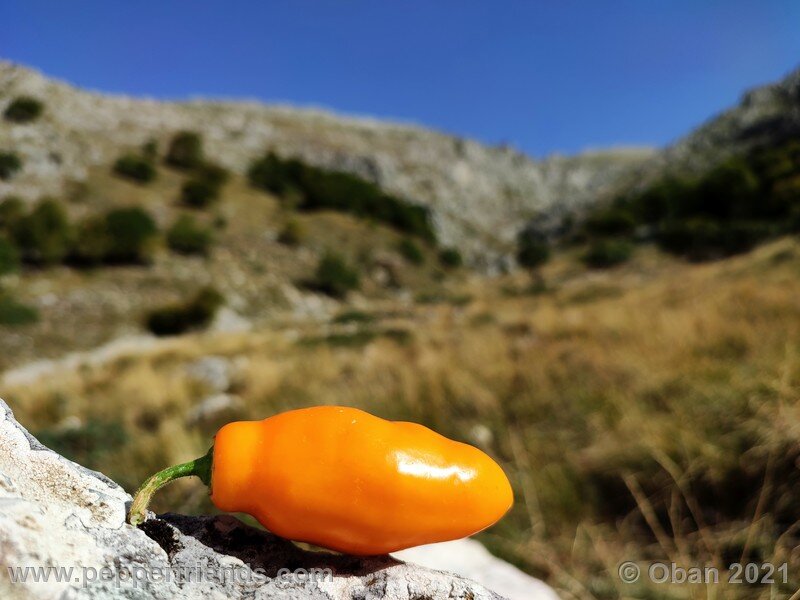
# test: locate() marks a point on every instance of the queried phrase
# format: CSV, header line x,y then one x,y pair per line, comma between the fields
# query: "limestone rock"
x,y
214,411
470,559
55,513
211,372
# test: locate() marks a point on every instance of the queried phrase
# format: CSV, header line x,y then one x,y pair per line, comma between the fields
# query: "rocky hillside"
x,y
765,116
479,195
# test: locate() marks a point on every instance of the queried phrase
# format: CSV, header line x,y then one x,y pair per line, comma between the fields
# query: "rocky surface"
x,y
479,195
55,513
765,115
470,559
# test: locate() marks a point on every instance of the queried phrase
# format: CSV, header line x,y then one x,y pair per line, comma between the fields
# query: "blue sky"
x,y
557,76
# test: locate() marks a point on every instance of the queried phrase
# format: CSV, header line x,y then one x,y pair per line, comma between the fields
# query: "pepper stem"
x,y
199,467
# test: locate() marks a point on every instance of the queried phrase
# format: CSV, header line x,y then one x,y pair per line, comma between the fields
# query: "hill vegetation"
x,y
313,188
737,204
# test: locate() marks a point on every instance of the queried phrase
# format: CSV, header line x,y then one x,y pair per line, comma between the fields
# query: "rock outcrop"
x,y
765,116
57,515
480,196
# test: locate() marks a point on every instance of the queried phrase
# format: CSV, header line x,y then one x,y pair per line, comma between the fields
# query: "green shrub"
x,y
411,251
793,220
10,164
9,256
44,236
131,233
664,199
353,316
726,210
198,193
181,318
532,250
212,173
150,150
604,253
136,168
450,258
729,191
705,239
185,150
23,109
321,189
614,220
220,222
270,173
204,186
335,277
92,242
187,237
15,313
12,209
292,233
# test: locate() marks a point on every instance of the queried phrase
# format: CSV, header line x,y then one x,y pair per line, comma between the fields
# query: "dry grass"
x,y
649,413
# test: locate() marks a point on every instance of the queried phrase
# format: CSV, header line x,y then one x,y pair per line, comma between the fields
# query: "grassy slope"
x,y
647,412
82,309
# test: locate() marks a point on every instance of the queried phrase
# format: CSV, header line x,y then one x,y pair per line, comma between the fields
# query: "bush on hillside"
x,y
212,173
532,250
729,191
135,168
131,233
605,253
292,233
614,220
10,164
727,210
23,109
44,236
706,239
187,237
203,188
185,150
450,258
271,173
12,209
321,189
190,316
15,313
9,256
92,242
411,251
199,193
335,277
150,150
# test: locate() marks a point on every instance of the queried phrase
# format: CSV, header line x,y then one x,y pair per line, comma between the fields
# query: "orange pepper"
x,y
346,480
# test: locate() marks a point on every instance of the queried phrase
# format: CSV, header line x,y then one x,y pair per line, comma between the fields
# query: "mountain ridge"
x,y
479,195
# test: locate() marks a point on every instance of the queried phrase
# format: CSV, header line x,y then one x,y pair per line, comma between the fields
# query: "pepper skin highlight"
x,y
346,480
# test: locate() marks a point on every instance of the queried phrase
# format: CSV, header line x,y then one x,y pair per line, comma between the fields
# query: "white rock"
x,y
211,372
212,408
470,559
